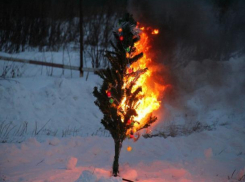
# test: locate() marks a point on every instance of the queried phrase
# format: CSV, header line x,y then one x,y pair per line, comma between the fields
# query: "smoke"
x,y
200,44
196,30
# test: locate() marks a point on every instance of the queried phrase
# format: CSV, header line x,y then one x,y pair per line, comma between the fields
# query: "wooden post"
x,y
81,38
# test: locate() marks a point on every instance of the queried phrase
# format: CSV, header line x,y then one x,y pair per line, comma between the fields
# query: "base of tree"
x,y
115,166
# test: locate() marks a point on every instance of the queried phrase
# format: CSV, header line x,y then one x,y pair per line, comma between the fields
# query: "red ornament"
x,y
130,70
121,38
108,94
129,122
131,136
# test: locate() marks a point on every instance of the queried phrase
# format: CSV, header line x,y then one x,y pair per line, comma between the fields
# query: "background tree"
x,y
118,97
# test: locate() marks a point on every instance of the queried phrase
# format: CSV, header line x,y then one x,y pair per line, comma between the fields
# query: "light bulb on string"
x,y
108,93
111,100
130,70
129,148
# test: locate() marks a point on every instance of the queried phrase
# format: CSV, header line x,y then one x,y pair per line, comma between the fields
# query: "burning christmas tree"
x,y
123,96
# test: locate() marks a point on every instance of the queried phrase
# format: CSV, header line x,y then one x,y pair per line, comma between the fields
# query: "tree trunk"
x,y
81,38
118,146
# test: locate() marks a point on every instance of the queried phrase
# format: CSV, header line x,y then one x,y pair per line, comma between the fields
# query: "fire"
x,y
155,31
150,101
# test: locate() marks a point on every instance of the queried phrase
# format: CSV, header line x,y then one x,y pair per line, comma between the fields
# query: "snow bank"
x,y
71,164
87,176
155,159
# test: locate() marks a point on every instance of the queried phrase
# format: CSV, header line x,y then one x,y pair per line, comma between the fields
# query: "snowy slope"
x,y
59,104
52,131
207,156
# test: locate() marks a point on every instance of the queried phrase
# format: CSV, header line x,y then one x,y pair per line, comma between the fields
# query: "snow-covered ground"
x,y
50,129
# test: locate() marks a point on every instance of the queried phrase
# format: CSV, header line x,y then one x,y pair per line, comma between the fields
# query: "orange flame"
x,y
155,31
150,96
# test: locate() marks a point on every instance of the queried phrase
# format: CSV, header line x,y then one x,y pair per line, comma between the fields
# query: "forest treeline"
x,y
190,30
49,24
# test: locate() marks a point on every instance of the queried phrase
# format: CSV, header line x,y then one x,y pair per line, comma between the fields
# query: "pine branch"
x,y
113,60
130,112
151,119
114,47
136,58
134,95
136,74
136,39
